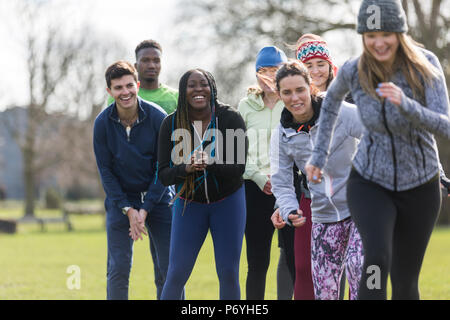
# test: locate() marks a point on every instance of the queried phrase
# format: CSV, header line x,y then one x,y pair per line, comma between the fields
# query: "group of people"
x,y
342,162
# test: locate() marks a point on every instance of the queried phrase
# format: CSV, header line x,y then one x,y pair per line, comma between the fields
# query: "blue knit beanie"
x,y
381,15
270,57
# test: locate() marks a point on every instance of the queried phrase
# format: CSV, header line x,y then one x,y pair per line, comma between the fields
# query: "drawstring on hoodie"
x,y
211,126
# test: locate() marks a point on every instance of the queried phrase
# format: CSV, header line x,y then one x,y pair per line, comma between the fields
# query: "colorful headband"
x,y
315,49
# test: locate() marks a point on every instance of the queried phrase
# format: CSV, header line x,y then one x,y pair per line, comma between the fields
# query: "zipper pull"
x,y
128,129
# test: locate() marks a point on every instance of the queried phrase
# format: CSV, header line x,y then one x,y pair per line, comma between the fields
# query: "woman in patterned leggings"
x,y
335,242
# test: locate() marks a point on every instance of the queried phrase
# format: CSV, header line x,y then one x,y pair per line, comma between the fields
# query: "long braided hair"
x,y
183,121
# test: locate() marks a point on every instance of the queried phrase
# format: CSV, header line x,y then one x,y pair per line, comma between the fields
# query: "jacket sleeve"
x,y
252,171
328,116
156,189
353,123
168,173
104,159
235,124
282,178
434,117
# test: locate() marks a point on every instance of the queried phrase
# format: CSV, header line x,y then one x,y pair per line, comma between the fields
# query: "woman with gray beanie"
x,y
393,190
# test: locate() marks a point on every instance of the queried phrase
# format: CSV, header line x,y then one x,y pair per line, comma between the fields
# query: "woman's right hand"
x,y
277,221
268,188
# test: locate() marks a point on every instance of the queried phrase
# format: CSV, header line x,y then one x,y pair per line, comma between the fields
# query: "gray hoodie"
x,y
328,198
398,150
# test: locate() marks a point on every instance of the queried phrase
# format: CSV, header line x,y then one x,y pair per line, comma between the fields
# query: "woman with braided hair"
x,y
195,155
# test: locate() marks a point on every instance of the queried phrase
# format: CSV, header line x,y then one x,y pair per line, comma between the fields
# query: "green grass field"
x,y
34,264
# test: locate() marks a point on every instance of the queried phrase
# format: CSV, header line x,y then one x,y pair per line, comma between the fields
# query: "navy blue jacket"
x,y
128,165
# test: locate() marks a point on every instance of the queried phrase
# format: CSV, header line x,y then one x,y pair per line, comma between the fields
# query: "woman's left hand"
x,y
391,92
313,173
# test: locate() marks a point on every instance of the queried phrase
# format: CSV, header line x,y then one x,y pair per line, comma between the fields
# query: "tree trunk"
x,y
29,186
28,154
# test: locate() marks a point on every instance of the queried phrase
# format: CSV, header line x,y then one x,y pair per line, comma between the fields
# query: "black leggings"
x,y
258,237
395,228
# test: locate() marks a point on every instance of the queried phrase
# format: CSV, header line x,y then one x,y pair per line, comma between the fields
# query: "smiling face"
x,y
319,71
198,92
124,91
296,95
382,46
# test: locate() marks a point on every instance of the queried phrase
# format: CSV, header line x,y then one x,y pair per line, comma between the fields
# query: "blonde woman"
x,y
393,191
261,110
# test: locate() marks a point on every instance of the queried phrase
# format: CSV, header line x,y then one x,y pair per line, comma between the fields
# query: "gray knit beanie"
x,y
381,15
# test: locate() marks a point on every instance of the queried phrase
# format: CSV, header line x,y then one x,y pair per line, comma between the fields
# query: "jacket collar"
x,y
287,120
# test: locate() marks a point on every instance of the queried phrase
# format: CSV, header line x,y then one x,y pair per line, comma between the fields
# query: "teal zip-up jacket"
x,y
260,122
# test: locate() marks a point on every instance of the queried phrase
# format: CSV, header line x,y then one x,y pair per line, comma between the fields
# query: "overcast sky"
x,y
130,20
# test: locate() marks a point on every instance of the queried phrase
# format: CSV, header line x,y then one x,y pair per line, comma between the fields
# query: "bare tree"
x,y
79,165
429,23
64,92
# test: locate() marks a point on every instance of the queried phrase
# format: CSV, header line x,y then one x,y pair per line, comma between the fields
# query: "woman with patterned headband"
x,y
313,51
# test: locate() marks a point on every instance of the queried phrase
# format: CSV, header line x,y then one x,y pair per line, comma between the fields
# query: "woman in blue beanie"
x,y
393,191
261,110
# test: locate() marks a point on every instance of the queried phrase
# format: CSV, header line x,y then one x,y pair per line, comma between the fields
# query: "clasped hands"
x,y
297,220
137,223
198,162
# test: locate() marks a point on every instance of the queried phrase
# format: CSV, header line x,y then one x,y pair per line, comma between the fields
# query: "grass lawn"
x,y
34,264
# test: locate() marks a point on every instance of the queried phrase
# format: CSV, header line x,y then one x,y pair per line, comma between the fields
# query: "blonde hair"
x,y
256,89
413,64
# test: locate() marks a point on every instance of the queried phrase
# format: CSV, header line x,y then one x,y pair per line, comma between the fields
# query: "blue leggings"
x,y
226,220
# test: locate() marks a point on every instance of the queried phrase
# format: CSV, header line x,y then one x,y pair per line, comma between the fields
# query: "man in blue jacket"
x,y
125,146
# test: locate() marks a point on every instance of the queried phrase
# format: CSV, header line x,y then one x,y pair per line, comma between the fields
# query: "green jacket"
x,y
260,121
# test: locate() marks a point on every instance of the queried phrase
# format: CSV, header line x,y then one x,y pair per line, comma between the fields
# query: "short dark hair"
x,y
119,69
292,68
147,44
